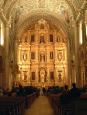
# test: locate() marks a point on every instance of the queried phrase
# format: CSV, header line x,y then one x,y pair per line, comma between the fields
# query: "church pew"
x,y
59,109
29,99
15,105
55,102
11,105
81,105
77,107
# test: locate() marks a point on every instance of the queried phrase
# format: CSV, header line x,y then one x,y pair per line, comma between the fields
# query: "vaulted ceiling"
x,y
27,5
76,4
25,12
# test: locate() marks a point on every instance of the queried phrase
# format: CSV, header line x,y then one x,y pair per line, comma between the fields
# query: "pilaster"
x,y
77,64
6,84
83,27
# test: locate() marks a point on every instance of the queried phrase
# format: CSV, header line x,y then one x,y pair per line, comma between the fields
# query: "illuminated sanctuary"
x,y
42,56
43,42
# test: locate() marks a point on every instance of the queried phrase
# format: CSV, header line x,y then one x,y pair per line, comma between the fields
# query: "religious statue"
x,y
42,75
59,77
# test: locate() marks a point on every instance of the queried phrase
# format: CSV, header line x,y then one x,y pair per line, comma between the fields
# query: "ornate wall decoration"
x,y
25,76
41,67
52,75
42,57
33,75
42,75
24,55
60,55
61,74
60,77
42,39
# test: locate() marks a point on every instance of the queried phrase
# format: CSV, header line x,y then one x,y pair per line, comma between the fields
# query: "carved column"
x,y
85,46
77,64
6,83
83,27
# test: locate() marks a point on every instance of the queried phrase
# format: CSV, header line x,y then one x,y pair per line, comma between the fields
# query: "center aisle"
x,y
41,106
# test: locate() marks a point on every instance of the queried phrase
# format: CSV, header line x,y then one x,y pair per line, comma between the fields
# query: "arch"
x,y
13,3
50,17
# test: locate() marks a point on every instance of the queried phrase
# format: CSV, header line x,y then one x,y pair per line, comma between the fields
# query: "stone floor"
x,y
41,106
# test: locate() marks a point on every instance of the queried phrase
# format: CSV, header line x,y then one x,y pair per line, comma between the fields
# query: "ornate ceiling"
x,y
75,3
23,10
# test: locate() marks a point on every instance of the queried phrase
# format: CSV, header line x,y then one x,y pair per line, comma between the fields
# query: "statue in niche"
x,y
24,56
58,39
60,55
59,77
25,76
42,57
42,39
42,75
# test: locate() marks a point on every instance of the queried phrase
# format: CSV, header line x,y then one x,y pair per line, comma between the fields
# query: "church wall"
x,y
83,49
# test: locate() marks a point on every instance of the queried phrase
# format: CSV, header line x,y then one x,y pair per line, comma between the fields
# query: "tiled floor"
x,y
41,106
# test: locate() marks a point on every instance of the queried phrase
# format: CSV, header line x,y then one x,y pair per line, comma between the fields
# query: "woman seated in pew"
x,y
70,95
74,93
64,97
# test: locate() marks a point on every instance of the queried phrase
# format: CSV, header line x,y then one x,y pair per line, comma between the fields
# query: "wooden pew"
x,y
29,99
81,105
11,105
55,102
15,105
77,107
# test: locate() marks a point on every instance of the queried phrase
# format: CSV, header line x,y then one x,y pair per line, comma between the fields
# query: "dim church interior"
x,y
43,43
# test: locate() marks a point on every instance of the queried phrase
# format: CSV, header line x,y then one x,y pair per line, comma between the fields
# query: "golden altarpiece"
x,y
42,56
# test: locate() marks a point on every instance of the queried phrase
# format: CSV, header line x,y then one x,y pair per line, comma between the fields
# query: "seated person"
x,y
74,93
